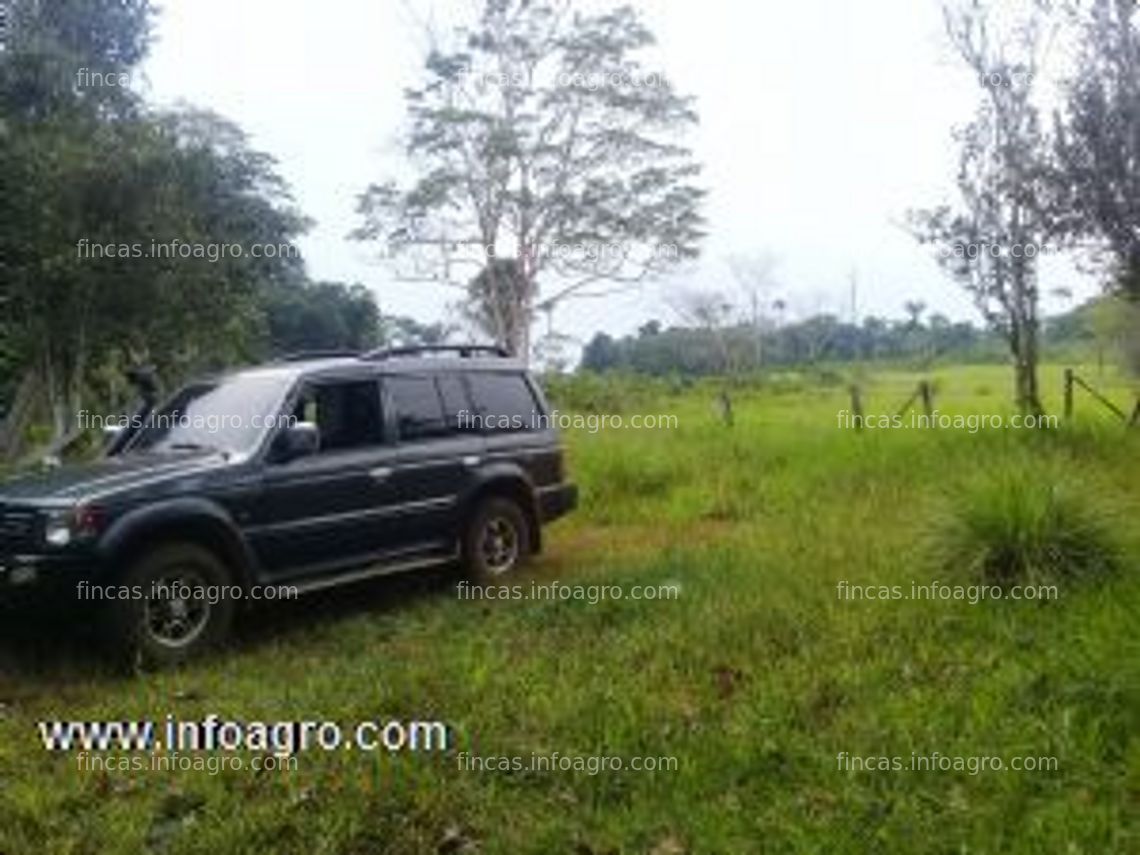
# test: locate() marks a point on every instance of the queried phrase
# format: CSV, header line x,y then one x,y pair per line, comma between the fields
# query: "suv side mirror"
x,y
299,439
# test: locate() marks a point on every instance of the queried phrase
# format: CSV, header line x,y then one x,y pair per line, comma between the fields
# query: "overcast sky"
x,y
821,124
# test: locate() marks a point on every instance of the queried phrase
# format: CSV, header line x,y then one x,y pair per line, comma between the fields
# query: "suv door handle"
x,y
471,460
381,473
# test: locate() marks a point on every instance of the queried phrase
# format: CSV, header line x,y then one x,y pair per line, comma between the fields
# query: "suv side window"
x,y
347,414
419,410
504,402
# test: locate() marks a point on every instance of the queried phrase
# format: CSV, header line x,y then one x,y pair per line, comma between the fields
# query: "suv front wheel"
x,y
497,539
178,606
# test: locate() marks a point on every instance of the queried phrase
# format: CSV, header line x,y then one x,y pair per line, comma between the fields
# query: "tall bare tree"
x,y
755,277
991,240
540,139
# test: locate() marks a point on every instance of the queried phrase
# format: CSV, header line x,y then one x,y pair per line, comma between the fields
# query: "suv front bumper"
x,y
557,501
57,572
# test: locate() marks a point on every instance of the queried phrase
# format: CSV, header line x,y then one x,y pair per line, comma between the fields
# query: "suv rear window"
x,y
504,402
456,406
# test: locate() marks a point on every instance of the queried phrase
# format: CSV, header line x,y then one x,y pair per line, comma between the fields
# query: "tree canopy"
x,y
131,235
549,163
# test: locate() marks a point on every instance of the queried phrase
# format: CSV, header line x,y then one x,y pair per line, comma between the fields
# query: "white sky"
x,y
821,124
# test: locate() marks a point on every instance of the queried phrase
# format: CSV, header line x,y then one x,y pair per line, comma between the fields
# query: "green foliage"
x,y
46,45
322,316
1093,329
1094,176
1022,523
694,351
130,235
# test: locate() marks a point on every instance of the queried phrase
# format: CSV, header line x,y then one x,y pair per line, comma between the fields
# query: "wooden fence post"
x,y
725,408
927,393
857,407
1068,394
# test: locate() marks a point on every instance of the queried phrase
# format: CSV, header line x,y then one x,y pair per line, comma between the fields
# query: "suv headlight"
x,y
63,527
57,528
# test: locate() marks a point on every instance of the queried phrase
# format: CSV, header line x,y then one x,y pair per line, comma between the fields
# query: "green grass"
x,y
755,679
1022,523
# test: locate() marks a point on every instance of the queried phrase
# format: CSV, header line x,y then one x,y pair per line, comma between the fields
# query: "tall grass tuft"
x,y
1020,524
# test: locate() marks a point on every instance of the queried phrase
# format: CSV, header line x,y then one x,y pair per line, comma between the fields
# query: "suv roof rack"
x,y
304,355
463,351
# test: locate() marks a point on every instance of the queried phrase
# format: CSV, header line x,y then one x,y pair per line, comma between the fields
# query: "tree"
x,y
496,302
914,309
547,155
601,353
755,277
400,331
53,155
322,316
698,348
1097,179
1098,139
990,243
712,313
94,190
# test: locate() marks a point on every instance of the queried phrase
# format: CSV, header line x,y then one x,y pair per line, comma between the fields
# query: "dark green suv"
x,y
307,473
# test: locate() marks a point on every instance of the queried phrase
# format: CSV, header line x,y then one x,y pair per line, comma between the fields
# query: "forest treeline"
x,y
1094,331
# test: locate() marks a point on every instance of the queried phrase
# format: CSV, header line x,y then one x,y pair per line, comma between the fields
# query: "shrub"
x,y
1021,524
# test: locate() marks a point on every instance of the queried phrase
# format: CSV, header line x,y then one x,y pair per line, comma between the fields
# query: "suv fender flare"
x,y
504,479
192,519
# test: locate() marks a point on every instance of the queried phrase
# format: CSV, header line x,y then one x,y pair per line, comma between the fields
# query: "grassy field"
x,y
755,678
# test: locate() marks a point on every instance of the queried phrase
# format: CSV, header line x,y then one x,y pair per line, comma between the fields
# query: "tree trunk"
x,y
1023,344
18,417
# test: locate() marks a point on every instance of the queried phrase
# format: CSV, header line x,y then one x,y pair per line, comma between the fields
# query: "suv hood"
x,y
69,484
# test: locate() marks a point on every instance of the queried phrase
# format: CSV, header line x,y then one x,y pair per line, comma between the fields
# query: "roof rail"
x,y
464,351
303,355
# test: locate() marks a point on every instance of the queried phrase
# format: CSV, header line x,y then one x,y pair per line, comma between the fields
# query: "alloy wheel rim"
x,y
171,619
499,545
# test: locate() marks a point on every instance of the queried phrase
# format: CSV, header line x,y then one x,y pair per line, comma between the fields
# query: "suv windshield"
x,y
228,415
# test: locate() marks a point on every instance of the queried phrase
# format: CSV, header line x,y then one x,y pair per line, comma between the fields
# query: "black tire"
x,y
161,631
496,540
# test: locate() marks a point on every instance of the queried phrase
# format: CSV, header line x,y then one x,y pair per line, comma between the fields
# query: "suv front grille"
x,y
17,530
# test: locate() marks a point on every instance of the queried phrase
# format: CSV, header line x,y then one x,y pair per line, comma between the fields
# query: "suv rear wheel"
x,y
173,619
497,539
